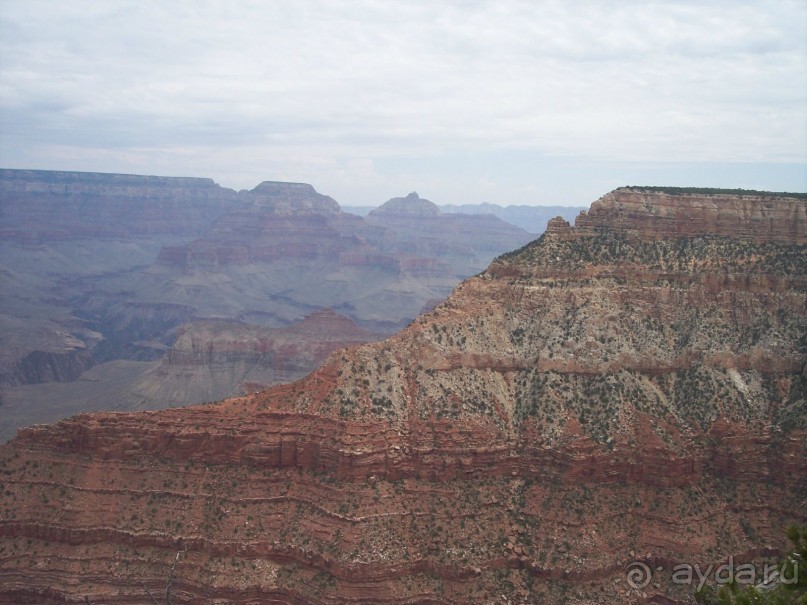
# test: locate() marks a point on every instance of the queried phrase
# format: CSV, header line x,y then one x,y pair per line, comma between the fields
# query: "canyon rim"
x,y
627,389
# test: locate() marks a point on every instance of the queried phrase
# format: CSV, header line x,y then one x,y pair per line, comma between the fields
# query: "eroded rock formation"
x,y
58,229
623,391
211,360
41,206
416,229
99,269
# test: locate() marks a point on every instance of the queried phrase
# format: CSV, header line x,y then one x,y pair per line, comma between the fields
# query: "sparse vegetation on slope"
x,y
599,398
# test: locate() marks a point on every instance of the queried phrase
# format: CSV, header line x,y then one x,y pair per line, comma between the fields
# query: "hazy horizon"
x,y
512,103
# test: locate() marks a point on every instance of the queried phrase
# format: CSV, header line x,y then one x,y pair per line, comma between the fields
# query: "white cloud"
x,y
328,85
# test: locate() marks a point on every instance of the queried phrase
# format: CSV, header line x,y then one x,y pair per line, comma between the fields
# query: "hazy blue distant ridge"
x,y
530,218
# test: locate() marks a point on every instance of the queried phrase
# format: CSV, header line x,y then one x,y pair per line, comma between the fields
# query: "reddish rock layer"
x,y
594,399
755,216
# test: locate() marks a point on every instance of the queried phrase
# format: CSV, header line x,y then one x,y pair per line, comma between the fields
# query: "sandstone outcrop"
x,y
616,393
663,213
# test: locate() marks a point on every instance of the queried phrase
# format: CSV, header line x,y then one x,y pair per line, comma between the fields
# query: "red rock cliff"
x,y
648,213
619,391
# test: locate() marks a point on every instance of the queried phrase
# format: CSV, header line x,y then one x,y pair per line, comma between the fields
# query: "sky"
x,y
537,102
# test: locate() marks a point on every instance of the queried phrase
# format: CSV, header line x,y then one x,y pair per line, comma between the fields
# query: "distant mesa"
x,y
291,198
530,218
40,206
59,181
411,205
284,187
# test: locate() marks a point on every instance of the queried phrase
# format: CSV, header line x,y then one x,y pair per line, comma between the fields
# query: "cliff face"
x,y
38,206
49,366
753,216
613,393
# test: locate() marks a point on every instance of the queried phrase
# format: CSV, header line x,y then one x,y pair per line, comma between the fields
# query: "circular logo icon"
x,y
639,575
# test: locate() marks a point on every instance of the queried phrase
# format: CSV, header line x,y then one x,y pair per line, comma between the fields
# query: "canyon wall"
x,y
38,206
649,213
101,269
211,360
612,395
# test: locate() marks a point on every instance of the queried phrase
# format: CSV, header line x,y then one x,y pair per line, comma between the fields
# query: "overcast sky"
x,y
535,102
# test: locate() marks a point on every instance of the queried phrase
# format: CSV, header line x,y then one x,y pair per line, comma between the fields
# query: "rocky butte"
x,y
624,394
418,231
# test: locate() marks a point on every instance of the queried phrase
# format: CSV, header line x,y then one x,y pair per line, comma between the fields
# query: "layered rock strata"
x,y
616,394
63,232
39,206
211,360
417,229
103,268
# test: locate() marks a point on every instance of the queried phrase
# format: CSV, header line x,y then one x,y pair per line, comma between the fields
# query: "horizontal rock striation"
x,y
274,222
132,258
39,206
615,392
416,227
649,213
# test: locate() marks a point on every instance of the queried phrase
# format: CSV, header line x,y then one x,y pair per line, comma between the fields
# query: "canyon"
x,y
103,274
625,393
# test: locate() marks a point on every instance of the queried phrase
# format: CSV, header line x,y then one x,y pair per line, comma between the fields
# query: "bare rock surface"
x,y
625,390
